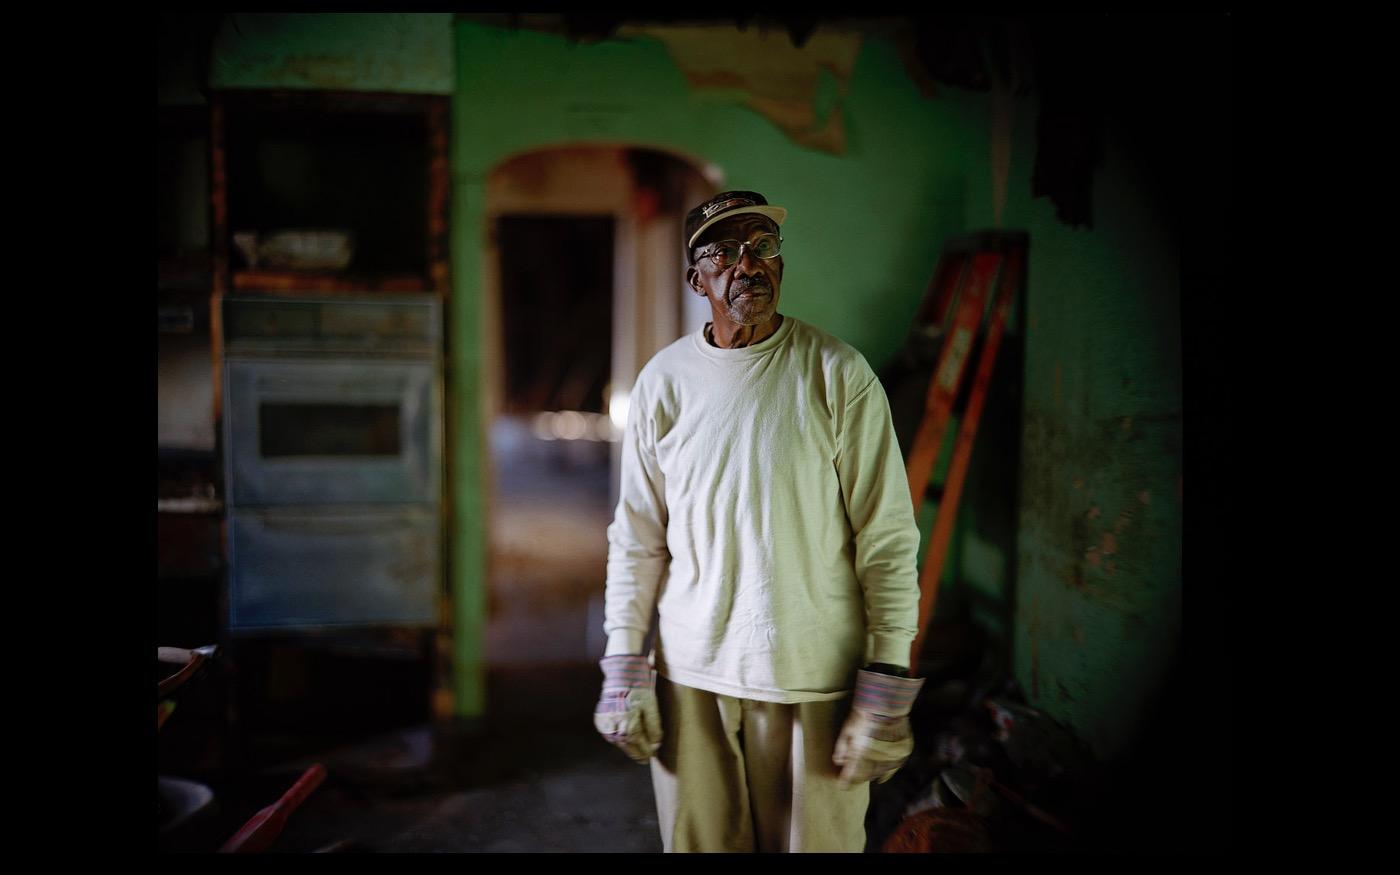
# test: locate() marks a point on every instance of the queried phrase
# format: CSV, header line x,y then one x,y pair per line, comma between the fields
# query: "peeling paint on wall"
x,y
1088,524
800,90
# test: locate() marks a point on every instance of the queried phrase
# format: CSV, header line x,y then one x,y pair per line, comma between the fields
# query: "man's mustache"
x,y
757,281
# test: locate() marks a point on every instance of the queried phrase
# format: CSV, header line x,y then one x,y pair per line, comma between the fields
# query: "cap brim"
x,y
777,214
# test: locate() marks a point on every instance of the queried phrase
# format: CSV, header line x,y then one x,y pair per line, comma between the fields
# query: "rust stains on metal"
x,y
1109,544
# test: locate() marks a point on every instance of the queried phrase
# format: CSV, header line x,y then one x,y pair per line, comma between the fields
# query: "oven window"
x,y
329,430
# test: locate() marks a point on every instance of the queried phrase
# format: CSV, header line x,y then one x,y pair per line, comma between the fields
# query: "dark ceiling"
x,y
1160,82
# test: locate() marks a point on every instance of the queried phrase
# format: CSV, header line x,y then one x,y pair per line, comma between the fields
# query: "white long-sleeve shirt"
x,y
765,513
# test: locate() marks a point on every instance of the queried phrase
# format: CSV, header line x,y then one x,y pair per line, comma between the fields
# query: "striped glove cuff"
x,y
623,673
886,694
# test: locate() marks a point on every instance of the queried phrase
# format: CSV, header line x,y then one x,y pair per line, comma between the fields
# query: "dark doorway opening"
x,y
556,311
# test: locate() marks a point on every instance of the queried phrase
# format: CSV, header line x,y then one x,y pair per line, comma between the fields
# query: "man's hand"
x,y
626,714
876,738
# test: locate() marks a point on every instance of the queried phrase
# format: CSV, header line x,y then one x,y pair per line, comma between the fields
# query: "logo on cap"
x,y
724,205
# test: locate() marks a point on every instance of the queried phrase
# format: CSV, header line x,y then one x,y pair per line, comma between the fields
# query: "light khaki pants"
x,y
741,775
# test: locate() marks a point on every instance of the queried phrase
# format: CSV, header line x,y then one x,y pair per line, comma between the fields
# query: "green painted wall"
x,y
1098,601
864,229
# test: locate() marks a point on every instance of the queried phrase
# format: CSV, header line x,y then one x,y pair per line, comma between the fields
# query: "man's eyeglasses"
x,y
728,252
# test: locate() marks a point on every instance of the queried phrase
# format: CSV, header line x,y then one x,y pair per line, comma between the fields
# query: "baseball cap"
x,y
725,205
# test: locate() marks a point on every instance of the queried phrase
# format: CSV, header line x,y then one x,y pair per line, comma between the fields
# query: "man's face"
x,y
745,292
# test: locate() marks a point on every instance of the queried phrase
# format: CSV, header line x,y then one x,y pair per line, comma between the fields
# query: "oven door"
x,y
326,567
316,431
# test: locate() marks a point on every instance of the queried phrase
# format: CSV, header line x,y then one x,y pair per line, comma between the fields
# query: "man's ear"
x,y
692,278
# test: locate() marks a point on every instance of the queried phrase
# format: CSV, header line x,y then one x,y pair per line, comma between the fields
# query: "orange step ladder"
x,y
976,284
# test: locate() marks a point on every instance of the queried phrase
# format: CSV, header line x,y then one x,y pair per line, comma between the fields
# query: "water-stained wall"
x,y
1099,590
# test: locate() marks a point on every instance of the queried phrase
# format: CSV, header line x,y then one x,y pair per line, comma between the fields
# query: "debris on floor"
x,y
989,773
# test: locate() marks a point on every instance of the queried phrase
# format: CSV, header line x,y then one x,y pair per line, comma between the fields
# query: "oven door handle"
x,y
379,525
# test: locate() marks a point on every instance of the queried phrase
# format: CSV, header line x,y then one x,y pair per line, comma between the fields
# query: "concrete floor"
x,y
550,510
536,778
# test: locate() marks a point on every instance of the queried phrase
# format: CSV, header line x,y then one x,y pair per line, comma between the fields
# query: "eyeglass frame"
x,y
743,245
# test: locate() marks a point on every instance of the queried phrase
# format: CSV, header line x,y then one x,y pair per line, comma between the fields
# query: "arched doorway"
x,y
582,285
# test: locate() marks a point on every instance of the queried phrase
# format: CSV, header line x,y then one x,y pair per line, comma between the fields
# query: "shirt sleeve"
x,y
637,552
875,488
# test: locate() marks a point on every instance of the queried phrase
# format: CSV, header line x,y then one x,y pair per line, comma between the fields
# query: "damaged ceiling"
x,y
1086,72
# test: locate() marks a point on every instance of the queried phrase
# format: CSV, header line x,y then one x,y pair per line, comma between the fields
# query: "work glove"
x,y
626,714
876,739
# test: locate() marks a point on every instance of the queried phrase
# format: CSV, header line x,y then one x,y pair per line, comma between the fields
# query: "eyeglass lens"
x,y
726,252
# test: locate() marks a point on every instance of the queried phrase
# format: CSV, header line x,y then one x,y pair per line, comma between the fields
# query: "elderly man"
x,y
765,515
